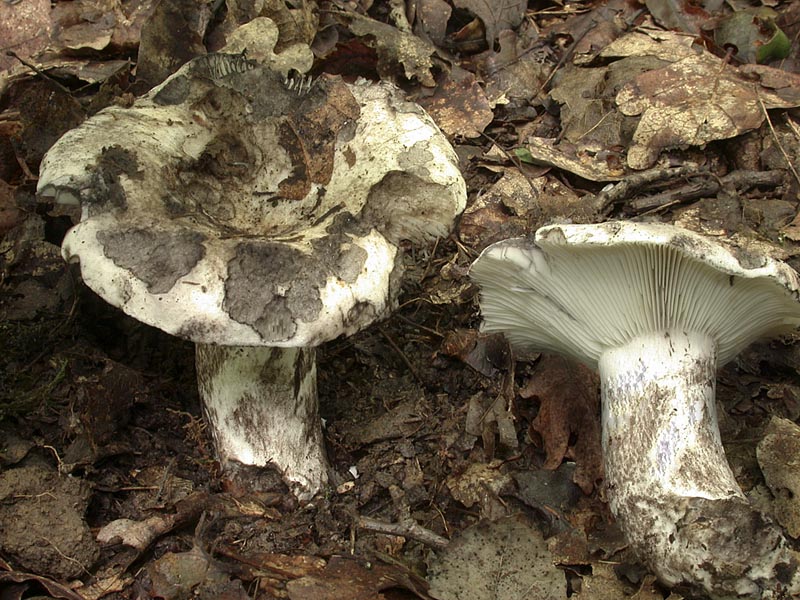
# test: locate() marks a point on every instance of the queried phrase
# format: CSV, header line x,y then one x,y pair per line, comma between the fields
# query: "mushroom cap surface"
x,y
230,206
579,290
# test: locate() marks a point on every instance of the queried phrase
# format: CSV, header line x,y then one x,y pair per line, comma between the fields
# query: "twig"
x,y
627,187
42,74
706,187
65,557
403,357
514,160
410,529
777,140
165,477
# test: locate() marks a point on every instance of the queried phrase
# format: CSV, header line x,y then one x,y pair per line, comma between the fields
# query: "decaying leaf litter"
x,y
436,432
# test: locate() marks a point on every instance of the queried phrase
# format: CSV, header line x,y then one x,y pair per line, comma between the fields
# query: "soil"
x,y
109,484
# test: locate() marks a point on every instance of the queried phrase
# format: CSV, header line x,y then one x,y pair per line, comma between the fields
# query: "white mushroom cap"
x,y
582,289
226,208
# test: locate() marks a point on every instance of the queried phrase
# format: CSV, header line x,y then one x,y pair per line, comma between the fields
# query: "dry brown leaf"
x,y
569,406
99,24
594,164
395,47
10,579
482,484
484,353
691,102
784,84
24,29
309,135
459,105
496,16
161,52
664,45
431,19
490,418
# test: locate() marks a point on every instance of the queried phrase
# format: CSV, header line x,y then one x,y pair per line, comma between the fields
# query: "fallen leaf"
x,y
459,105
482,484
691,102
489,417
484,353
25,581
517,73
24,28
543,488
497,560
782,83
309,134
496,16
678,15
431,18
100,24
569,407
161,52
587,161
395,47
106,583
753,35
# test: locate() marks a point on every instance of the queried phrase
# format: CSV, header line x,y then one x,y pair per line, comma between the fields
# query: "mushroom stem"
x,y
261,405
668,482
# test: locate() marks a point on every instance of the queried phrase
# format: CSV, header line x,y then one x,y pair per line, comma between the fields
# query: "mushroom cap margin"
x,y
581,289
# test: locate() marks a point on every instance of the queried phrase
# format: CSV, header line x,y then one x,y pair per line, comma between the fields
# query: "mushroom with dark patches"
x,y
255,244
651,306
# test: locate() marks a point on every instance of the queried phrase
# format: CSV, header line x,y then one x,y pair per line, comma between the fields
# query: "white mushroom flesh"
x,y
232,208
656,309
250,390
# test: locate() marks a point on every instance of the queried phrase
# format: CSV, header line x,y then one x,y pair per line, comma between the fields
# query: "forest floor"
x,y
461,470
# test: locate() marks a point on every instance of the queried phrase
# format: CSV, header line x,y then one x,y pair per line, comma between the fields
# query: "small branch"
x,y
707,186
777,140
403,357
42,74
629,186
410,529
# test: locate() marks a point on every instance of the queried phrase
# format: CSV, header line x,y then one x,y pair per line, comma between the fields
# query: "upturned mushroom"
x,y
258,217
656,309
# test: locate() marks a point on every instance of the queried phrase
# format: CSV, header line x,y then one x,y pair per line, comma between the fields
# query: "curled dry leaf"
x,y
395,46
691,102
496,16
569,407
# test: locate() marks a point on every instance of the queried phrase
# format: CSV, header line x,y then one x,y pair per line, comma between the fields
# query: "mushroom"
x,y
258,217
656,309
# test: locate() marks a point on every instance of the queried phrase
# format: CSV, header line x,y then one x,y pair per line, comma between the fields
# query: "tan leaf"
x,y
691,102
569,408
